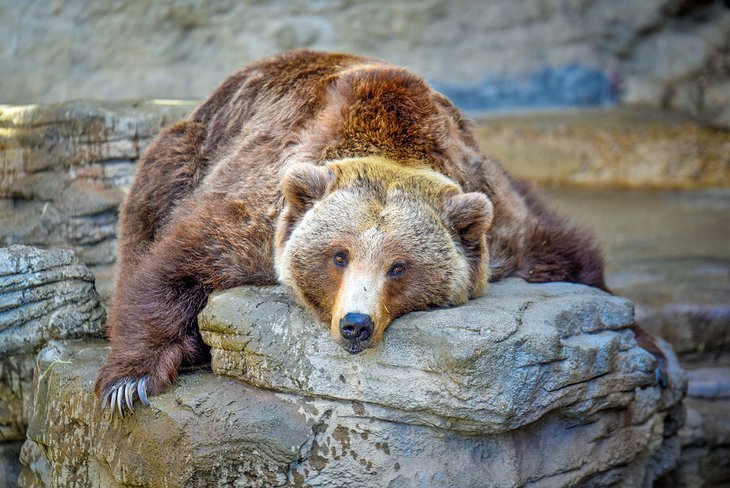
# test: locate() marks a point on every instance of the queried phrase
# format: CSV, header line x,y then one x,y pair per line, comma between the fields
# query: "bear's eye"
x,y
340,259
397,270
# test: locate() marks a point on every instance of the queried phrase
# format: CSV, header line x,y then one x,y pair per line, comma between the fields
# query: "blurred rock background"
x,y
672,54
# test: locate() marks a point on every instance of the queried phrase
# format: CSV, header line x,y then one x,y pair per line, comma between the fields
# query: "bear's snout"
x,y
356,326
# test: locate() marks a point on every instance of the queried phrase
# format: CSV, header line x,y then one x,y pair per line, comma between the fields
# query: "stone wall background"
x,y
496,54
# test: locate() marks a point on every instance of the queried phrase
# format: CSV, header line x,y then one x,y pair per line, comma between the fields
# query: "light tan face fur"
x,y
376,243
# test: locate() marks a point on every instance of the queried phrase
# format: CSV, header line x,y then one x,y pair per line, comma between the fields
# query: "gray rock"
x,y
66,169
10,463
493,365
682,65
207,431
226,433
45,295
682,299
522,366
16,395
667,252
705,438
538,385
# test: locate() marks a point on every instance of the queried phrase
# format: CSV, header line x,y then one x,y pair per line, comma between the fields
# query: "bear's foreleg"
x,y
152,327
213,243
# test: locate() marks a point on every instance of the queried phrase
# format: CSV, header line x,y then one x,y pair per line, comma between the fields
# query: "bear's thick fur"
x,y
345,177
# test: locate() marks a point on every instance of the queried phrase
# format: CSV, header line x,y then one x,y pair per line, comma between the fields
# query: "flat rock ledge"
x,y
539,385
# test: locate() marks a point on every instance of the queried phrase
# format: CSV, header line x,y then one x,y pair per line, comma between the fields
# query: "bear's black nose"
x,y
356,326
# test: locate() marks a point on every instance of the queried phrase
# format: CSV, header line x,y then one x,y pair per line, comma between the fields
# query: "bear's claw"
x,y
122,392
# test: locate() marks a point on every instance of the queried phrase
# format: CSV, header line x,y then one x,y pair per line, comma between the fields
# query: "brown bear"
x,y
348,179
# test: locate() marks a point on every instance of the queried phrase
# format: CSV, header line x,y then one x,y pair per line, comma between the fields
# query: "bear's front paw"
x,y
122,392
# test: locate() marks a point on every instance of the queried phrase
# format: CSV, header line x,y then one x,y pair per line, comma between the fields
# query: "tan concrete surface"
x,y
616,148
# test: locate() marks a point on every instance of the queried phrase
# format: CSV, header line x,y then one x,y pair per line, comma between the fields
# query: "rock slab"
x,y
44,295
538,385
522,370
670,258
207,431
493,365
621,147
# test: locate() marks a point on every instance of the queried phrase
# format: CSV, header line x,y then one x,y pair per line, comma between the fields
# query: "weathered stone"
x,y
227,433
716,102
668,252
16,378
520,364
16,396
709,382
685,63
705,459
617,148
45,295
682,300
495,364
65,169
207,431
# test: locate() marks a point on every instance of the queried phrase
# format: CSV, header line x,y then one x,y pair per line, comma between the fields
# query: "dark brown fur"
x,y
202,211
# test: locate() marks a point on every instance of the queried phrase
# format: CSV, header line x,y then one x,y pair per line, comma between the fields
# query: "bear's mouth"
x,y
353,346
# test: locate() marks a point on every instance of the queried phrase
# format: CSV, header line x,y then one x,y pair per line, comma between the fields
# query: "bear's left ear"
x,y
470,215
304,184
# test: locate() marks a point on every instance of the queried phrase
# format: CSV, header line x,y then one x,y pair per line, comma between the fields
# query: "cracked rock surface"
x,y
44,295
206,431
539,385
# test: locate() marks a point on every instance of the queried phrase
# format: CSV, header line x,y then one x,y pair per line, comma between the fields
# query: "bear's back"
x,y
277,95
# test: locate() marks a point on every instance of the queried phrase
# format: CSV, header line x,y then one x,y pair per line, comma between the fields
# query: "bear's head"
x,y
362,241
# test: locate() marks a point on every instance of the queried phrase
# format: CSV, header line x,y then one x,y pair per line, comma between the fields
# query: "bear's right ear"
x,y
304,184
